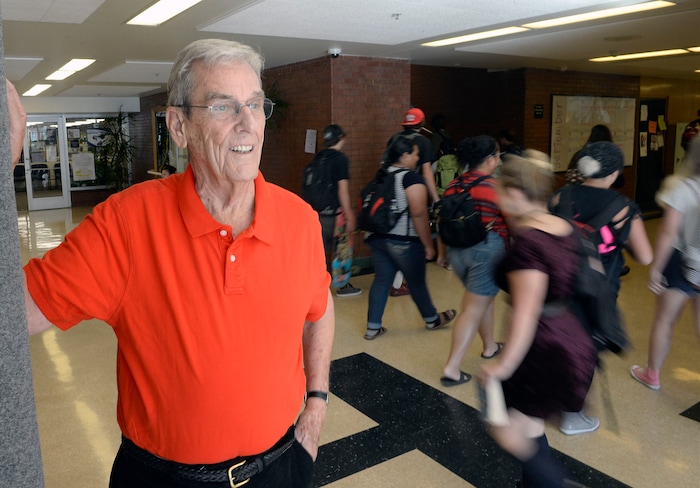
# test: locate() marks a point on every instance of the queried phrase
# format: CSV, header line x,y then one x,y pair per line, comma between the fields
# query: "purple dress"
x,y
556,372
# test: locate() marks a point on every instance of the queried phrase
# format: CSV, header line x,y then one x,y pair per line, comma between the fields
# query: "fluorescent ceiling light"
x,y
162,11
35,90
475,37
71,67
648,54
599,14
694,49
77,64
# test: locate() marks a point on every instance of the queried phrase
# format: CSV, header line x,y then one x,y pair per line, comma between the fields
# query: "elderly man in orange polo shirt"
x,y
210,382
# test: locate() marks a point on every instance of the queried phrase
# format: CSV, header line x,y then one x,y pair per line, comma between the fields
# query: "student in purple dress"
x,y
548,362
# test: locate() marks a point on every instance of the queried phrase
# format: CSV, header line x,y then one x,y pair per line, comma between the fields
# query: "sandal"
x,y
372,334
443,319
463,378
496,353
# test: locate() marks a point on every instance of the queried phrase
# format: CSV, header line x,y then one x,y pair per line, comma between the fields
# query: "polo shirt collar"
x,y
200,222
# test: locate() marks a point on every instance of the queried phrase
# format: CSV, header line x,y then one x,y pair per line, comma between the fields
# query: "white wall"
x,y
79,105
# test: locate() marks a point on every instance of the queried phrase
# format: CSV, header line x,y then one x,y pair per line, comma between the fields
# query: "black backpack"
x,y
459,222
595,303
378,210
317,186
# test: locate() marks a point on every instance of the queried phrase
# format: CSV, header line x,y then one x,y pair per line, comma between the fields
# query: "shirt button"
x,y
223,233
232,258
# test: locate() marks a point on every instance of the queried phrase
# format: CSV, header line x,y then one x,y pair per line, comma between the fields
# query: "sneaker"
x,y
644,377
577,423
348,291
400,291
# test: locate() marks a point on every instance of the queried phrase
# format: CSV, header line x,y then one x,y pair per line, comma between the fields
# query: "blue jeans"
x,y
390,256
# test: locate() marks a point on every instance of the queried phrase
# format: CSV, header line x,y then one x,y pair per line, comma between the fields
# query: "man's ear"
x,y
176,122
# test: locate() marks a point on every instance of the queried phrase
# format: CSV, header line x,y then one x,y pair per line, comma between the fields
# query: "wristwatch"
x,y
323,395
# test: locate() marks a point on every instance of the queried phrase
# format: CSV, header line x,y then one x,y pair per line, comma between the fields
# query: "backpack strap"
x,y
611,209
566,208
471,185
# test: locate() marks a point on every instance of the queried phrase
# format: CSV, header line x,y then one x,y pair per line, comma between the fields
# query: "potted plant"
x,y
115,152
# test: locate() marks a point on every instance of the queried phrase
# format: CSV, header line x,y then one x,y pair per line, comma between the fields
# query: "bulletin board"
x,y
574,116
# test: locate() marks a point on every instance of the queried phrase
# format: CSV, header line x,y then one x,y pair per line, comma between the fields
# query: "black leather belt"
x,y
236,472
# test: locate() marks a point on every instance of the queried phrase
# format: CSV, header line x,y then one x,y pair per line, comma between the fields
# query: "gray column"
x,y
20,456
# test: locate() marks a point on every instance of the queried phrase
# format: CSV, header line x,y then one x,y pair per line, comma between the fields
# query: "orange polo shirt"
x,y
209,329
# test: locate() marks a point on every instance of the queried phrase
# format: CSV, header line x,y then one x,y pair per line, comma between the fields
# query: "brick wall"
x,y
473,101
365,96
141,130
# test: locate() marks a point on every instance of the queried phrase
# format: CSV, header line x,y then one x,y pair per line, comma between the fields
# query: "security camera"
x,y
335,52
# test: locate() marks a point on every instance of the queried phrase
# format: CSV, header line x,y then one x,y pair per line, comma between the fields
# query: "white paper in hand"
x,y
493,405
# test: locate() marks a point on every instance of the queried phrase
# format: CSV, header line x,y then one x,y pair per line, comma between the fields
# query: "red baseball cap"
x,y
413,116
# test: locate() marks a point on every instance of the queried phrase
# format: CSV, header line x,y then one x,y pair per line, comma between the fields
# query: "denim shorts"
x,y
476,265
673,272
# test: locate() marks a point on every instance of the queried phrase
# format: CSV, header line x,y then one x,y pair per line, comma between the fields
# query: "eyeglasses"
x,y
498,154
230,109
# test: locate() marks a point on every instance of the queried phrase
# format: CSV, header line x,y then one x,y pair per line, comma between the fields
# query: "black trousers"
x,y
294,469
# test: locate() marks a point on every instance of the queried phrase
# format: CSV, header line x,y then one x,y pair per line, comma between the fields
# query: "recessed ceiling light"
x,y
35,90
162,11
598,14
475,37
648,54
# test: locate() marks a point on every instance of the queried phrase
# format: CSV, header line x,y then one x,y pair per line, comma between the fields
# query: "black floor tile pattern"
x,y
414,416
693,412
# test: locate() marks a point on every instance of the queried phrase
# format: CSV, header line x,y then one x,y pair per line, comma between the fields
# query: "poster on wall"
x,y
96,137
643,144
83,166
573,117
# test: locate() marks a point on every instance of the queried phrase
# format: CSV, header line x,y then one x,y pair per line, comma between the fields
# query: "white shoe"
x,y
577,423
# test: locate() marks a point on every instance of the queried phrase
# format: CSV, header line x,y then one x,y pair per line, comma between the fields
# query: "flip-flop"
x,y
444,318
463,378
496,353
371,337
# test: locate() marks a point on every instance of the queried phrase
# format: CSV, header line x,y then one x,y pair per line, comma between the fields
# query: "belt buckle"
x,y
231,477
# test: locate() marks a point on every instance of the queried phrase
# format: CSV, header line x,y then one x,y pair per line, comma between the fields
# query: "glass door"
x,y
46,168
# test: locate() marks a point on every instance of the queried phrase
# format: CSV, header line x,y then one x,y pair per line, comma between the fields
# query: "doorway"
x,y
650,162
46,172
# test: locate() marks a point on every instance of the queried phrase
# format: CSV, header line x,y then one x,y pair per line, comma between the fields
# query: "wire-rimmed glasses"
x,y
230,109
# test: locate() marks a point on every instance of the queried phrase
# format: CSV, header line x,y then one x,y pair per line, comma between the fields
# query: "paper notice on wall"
x,y
51,154
643,113
652,127
643,137
662,122
83,166
310,142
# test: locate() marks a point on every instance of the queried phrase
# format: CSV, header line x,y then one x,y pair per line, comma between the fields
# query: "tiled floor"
x,y
390,422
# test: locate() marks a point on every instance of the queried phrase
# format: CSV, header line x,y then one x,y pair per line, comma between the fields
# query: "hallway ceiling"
x,y
40,36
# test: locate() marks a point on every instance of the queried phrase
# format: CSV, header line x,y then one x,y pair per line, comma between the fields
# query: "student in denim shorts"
x,y
476,265
680,198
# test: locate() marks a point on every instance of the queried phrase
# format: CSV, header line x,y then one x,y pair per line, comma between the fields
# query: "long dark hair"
x,y
599,133
397,147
